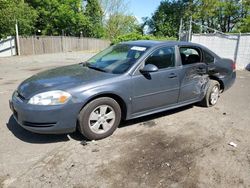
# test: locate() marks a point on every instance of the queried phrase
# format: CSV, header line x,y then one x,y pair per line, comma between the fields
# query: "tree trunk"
x,y
228,23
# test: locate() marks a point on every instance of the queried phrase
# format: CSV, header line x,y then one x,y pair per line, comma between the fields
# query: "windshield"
x,y
116,59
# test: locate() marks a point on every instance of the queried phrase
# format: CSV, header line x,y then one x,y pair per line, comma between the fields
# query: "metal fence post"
x,y
237,48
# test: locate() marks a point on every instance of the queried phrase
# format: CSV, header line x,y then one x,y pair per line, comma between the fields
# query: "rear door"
x,y
194,75
156,89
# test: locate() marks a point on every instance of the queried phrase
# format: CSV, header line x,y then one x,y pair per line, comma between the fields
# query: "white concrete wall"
x,y
243,56
7,47
236,47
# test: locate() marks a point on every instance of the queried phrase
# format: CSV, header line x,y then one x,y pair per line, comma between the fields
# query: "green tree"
x,y
67,19
137,36
222,15
94,15
119,24
57,17
228,14
244,25
116,18
165,20
112,7
206,13
16,10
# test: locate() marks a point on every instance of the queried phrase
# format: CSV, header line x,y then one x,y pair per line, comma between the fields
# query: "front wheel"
x,y
99,118
212,95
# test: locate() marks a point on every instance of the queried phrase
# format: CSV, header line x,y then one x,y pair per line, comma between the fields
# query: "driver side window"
x,y
162,58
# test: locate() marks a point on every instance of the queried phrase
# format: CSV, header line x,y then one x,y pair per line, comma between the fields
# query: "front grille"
x,y
32,124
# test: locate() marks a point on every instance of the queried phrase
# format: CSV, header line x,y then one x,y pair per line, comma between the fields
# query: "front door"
x,y
158,89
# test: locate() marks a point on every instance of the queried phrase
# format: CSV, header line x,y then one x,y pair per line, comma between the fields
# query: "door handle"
x,y
172,75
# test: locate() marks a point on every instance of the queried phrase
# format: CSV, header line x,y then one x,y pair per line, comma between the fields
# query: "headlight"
x,y
50,98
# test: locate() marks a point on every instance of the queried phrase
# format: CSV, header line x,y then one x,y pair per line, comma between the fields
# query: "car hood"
x,y
60,78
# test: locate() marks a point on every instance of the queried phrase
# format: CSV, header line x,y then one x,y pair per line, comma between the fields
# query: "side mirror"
x,y
149,68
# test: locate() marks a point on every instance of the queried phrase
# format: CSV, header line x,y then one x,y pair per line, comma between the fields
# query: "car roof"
x,y
152,43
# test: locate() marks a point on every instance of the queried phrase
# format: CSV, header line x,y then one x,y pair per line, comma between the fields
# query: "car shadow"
x,y
154,116
27,136
35,138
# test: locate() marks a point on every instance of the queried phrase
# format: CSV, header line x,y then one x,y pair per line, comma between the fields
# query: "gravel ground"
x,y
186,147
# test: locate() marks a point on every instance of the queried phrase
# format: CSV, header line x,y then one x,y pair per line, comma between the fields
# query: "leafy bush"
x,y
136,36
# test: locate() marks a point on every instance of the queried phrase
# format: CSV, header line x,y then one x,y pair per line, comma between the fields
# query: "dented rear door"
x,y
194,81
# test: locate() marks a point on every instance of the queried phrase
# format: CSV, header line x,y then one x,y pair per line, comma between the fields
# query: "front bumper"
x,y
56,119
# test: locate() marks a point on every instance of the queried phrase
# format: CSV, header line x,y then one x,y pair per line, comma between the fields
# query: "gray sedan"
x,y
125,81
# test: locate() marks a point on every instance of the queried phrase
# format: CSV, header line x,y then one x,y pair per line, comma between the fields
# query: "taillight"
x,y
233,65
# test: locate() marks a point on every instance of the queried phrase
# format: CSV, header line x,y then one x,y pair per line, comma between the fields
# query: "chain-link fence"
x,y
233,46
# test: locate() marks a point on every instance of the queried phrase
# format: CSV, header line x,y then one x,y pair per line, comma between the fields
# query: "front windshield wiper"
x,y
87,64
83,64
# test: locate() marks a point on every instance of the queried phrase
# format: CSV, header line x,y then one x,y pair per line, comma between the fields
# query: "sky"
x,y
143,8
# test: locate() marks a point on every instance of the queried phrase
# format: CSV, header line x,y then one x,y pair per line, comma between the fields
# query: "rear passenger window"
x,y
208,58
162,58
190,55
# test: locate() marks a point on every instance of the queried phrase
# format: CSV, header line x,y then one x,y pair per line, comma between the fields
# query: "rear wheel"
x,y
212,95
99,118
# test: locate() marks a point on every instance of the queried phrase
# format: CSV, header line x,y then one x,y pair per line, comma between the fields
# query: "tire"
x,y
99,118
212,94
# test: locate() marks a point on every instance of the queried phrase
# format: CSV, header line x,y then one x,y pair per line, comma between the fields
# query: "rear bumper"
x,y
45,119
229,81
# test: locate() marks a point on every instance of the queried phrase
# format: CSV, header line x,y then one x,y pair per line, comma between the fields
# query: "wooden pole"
x,y
17,39
180,30
190,30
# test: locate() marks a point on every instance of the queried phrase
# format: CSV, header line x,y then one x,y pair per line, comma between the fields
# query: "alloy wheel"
x,y
102,119
214,95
